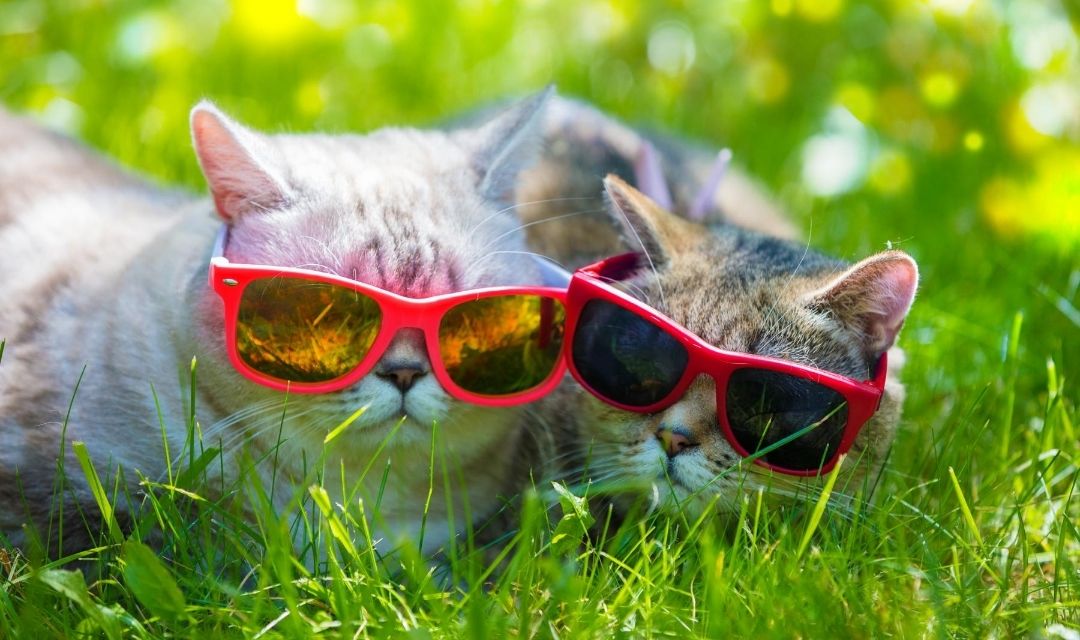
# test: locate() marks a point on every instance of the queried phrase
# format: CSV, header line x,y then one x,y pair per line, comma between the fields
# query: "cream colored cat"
x,y
104,271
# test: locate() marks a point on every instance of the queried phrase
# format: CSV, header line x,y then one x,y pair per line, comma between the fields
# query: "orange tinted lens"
x,y
304,331
502,345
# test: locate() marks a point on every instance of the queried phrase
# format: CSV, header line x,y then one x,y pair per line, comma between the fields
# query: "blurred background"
x,y
968,108
948,128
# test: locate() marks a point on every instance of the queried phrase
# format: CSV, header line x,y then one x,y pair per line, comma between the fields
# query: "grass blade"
x,y
968,517
151,582
337,431
819,508
98,491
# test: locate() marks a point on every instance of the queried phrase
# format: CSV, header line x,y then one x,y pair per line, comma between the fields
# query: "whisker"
x,y
638,291
644,251
526,225
771,316
522,204
492,254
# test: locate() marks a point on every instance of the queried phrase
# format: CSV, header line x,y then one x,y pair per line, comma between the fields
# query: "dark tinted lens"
x,y
304,331
502,345
765,407
624,357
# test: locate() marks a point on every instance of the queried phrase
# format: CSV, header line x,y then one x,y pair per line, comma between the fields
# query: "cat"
x,y
562,205
748,292
104,287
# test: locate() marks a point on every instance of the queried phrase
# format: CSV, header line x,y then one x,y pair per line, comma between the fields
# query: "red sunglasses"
x,y
310,332
788,417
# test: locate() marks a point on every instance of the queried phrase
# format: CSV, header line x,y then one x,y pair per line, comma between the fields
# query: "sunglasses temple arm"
x,y
551,273
881,371
219,242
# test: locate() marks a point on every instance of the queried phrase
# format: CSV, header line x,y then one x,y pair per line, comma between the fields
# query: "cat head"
x,y
744,292
415,212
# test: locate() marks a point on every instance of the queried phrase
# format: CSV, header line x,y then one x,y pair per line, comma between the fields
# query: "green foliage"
x,y
151,582
960,118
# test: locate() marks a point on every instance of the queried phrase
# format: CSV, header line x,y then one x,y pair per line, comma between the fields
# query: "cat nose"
x,y
402,373
674,440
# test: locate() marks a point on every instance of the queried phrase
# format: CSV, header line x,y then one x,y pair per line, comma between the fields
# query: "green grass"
x,y
973,531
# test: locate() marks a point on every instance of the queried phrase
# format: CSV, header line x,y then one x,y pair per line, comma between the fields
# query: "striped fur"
x,y
742,291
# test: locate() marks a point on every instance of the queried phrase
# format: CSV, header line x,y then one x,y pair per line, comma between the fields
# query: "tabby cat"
x,y
746,292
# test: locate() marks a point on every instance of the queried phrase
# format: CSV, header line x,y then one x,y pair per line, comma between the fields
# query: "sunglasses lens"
x,y
502,345
624,357
304,331
767,407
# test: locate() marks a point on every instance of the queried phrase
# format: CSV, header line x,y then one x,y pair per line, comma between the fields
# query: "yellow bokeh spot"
x,y
311,97
1000,200
1021,136
858,100
955,8
1046,205
819,10
768,80
268,21
781,8
395,17
890,173
973,141
939,88
41,96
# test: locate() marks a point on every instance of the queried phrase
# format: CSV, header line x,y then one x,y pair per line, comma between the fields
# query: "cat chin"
x,y
425,407
681,485
385,407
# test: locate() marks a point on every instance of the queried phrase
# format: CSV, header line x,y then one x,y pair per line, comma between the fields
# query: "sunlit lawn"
x,y
952,136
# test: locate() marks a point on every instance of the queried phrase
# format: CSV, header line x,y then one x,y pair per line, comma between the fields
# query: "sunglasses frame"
x,y
588,283
229,280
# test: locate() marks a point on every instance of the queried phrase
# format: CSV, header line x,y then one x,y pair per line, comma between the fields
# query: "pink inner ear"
x,y
892,290
896,288
237,181
875,295
703,201
649,176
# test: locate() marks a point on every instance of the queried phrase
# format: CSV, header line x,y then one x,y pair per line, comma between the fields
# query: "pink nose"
x,y
674,442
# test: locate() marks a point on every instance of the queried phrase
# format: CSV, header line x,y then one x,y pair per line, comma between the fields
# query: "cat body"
x,y
72,229
103,270
564,210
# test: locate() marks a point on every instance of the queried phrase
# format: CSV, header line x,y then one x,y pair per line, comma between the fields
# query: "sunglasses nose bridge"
x,y
696,374
405,348
405,314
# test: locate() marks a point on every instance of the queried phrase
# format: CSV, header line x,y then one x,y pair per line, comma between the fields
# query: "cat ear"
x,y
236,164
507,144
649,175
647,226
873,296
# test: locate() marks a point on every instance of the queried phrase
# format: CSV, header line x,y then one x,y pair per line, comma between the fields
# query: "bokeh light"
x,y
922,85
